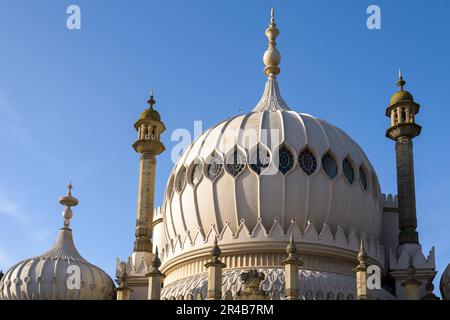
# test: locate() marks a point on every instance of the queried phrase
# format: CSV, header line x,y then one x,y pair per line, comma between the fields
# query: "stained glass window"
x,y
363,177
348,171
196,173
307,162
329,165
214,167
236,162
181,180
285,160
170,187
259,159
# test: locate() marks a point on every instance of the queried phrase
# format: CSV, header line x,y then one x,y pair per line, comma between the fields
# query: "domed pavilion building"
x,y
272,204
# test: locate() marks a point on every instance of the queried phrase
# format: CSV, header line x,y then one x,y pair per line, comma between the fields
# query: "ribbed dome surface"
x,y
61,273
198,197
45,277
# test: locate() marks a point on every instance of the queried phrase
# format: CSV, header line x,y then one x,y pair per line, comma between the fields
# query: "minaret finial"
x,y
69,188
362,255
401,83
151,102
291,248
215,251
272,56
69,201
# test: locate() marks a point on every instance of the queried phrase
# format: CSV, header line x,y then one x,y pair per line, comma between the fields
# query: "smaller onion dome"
x,y
401,95
444,285
61,273
150,113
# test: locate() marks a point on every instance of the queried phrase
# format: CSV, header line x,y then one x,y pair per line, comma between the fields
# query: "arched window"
x,y
196,173
235,162
259,159
181,180
329,165
349,173
285,160
215,166
307,162
363,177
170,187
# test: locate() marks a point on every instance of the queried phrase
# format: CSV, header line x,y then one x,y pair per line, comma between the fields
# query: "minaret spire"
x,y
402,111
271,99
69,201
148,145
401,83
272,56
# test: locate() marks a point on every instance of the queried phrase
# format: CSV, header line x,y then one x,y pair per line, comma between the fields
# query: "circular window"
x,y
348,171
236,162
285,160
181,180
196,173
214,167
259,159
363,177
307,162
329,166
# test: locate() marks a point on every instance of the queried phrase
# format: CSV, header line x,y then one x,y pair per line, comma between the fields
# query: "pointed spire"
x,y
215,251
156,262
291,247
291,250
69,201
271,99
272,56
401,83
362,255
151,102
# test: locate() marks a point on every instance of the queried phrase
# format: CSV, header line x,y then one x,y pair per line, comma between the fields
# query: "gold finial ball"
x,y
67,213
272,57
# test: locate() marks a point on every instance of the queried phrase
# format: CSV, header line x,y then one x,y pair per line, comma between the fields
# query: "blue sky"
x,y
68,100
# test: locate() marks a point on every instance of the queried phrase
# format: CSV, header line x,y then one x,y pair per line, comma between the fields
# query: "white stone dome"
x,y
255,179
46,277
300,186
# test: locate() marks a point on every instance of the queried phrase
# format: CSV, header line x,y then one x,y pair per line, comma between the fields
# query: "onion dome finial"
x,y
272,56
69,201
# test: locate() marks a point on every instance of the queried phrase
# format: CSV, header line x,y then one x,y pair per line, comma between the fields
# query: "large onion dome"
x,y
61,273
256,178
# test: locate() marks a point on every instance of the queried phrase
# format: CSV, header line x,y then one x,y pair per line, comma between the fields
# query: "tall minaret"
x,y
402,111
149,128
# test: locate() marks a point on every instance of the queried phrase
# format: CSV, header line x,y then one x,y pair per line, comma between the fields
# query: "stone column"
x,y
214,267
148,148
406,191
412,284
291,272
123,292
144,219
361,274
155,278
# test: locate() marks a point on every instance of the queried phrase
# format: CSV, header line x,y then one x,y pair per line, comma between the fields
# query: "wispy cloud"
x,y
6,109
11,123
11,209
